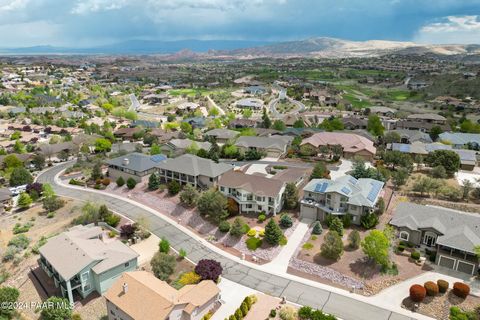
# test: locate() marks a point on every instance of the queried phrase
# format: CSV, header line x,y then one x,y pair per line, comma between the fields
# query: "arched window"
x,y
404,235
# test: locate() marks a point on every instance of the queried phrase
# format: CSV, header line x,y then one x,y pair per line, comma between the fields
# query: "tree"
x,y
97,171
24,201
209,269
369,220
396,158
153,181
189,196
449,159
291,196
11,161
376,246
103,213
336,225
163,265
439,172
8,297
20,176
400,177
53,203
435,132
267,123
319,171
131,183
19,147
279,125
173,187
273,233
467,186
38,161
392,137
317,228
286,221
155,149
375,126
299,123
332,246
247,113
354,240
56,308
120,181
186,127
237,227
164,246
102,145
213,204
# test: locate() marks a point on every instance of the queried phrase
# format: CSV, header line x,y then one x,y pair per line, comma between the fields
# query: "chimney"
x,y
125,288
125,161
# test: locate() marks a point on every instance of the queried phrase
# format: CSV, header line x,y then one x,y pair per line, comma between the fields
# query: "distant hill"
x,y
205,49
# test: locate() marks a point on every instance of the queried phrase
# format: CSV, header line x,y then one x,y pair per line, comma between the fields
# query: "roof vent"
x,y
125,161
125,288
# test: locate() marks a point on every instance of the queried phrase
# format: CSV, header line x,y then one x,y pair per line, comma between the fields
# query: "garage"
x,y
446,262
466,267
308,212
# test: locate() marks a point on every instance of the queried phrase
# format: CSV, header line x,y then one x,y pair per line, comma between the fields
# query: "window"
x,y
222,189
404,235
127,264
85,276
86,287
249,206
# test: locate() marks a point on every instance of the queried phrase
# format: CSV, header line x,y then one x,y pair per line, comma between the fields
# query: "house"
x,y
80,261
222,136
252,192
354,123
134,165
345,195
127,133
176,147
275,146
196,122
383,111
249,103
5,198
54,150
451,234
242,123
420,125
188,106
460,140
411,136
190,169
468,158
353,145
255,90
428,117
140,295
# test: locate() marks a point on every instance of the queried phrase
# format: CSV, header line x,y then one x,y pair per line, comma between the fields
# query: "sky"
x,y
86,23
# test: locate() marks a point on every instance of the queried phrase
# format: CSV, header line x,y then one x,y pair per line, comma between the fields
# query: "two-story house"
x,y
134,165
452,234
345,195
79,260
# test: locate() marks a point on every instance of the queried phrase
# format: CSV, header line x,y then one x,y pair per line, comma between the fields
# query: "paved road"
x,y
135,104
343,306
272,106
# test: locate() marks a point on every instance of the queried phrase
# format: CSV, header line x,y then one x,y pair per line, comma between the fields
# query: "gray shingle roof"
x,y
460,230
276,142
458,138
194,166
137,161
222,133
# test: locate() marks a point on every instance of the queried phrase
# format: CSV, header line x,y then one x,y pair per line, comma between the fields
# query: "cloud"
x,y
88,6
451,29
11,5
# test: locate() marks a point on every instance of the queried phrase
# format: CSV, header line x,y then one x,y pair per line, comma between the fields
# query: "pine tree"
x,y
273,233
153,182
317,228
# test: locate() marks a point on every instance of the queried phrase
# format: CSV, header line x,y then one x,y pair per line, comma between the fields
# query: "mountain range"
x,y
205,49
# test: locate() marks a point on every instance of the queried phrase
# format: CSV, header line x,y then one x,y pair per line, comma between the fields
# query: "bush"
x,y
237,227
173,187
189,278
189,196
75,182
415,255
10,253
461,290
224,226
163,265
317,228
253,243
417,293
252,233
106,181
120,182
182,253
262,217
273,313
273,233
336,225
354,240
238,314
332,246
431,288
458,314
307,246
244,309
112,220
164,246
305,313
369,220
56,308
286,221
347,220
287,313
442,285
52,203
20,241
131,183
209,269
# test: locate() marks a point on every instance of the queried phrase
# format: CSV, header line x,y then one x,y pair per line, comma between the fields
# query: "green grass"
x,y
307,246
253,243
398,95
191,92
356,102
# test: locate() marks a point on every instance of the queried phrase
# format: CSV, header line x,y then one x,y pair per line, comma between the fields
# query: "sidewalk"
x,y
231,295
281,261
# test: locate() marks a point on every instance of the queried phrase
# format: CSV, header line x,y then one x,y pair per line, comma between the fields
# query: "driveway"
x,y
298,290
472,176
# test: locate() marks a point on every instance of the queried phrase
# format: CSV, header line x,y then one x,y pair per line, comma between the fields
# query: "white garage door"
x,y
308,212
465,267
446,262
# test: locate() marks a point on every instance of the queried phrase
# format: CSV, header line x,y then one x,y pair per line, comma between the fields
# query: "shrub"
x,y
252,233
120,181
458,314
336,225
209,269
182,253
442,285
189,196
415,255
287,313
10,253
131,183
261,233
237,227
305,313
273,233
189,278
347,220
224,226
273,313
112,220
20,241
262,217
127,230
369,220
244,309
286,221
401,248
307,246
354,240
232,317
332,246
163,265
431,288
56,308
253,243
173,187
76,182
164,246
106,181
461,289
52,203
50,215
112,234
417,293
317,228
238,314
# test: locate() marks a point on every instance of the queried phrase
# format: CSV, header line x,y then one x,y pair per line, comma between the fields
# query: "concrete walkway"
x,y
232,295
346,305
281,261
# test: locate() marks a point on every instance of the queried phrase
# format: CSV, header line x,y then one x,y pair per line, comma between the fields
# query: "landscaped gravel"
x,y
321,271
